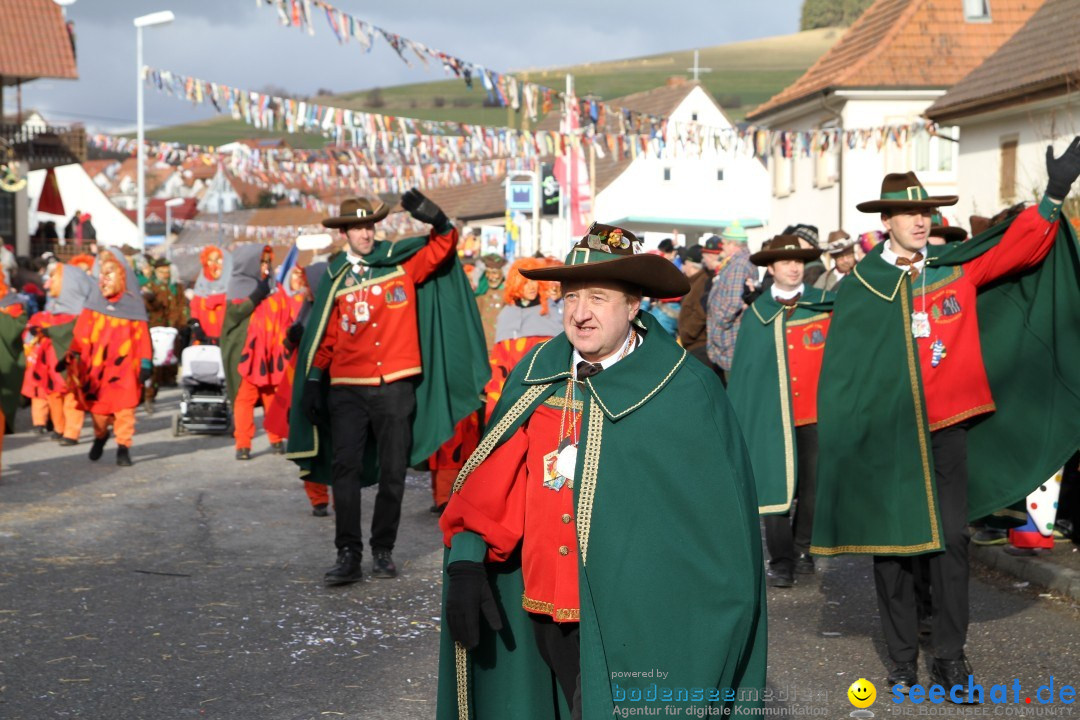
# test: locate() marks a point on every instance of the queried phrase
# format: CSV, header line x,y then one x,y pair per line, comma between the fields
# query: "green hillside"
x,y
742,76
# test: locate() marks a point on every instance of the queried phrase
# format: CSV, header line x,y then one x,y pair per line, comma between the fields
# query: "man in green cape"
x,y
932,414
392,357
12,359
773,389
614,572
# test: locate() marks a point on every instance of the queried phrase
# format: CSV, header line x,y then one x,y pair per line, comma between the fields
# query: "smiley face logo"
x,y
862,693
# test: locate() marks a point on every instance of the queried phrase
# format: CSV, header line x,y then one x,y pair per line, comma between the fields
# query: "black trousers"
x,y
385,410
786,537
894,576
560,647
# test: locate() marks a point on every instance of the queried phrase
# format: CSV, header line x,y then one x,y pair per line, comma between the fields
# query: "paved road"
x,y
189,586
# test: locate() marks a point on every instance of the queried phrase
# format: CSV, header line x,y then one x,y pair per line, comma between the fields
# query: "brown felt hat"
x,y
839,242
357,211
903,191
612,254
784,247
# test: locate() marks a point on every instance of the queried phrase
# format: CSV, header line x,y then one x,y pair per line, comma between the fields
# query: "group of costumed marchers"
x,y
47,339
109,359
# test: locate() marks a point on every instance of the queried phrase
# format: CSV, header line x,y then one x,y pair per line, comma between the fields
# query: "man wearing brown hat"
x,y
773,388
908,334
841,249
376,368
568,525
489,293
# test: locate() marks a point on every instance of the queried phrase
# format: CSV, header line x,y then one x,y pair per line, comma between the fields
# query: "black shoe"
x,y
243,453
903,674
437,509
780,578
40,430
948,673
383,565
347,569
320,510
278,448
98,447
55,436
68,442
123,456
926,627
804,564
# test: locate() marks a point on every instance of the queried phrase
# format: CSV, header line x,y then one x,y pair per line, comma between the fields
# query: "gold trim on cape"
x,y
589,470
780,341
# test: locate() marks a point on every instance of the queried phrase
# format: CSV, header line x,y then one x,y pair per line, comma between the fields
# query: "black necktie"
x,y
586,369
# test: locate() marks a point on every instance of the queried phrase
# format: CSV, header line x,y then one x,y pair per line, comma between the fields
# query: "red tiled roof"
x,y
1043,57
34,41
907,44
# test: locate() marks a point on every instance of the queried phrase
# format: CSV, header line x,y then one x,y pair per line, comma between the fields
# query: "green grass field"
x,y
743,75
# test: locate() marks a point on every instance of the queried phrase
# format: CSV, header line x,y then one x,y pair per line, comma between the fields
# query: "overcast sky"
x,y
241,43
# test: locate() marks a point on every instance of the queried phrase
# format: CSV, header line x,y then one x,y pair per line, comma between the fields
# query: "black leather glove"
x,y
261,291
293,336
423,209
468,596
144,374
197,331
314,402
1063,171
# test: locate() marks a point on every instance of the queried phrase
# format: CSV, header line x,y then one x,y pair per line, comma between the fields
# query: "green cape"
x,y
453,358
233,336
670,565
876,493
760,394
12,366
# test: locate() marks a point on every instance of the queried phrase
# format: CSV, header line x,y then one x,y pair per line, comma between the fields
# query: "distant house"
x,y
687,195
896,60
34,43
1009,108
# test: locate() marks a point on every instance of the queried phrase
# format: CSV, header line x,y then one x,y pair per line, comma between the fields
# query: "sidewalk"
x,y
1058,571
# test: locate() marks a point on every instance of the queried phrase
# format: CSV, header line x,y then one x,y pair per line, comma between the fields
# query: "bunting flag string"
x,y
304,175
395,225
408,141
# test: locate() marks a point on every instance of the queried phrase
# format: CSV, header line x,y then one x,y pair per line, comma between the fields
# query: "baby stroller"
x,y
204,404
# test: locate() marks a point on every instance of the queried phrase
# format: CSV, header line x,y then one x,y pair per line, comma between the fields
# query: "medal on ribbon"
x,y
362,312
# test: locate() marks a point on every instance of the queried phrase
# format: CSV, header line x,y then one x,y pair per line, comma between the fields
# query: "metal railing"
x,y
44,147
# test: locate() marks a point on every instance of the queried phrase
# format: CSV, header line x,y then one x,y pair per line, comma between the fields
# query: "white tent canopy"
x,y
79,192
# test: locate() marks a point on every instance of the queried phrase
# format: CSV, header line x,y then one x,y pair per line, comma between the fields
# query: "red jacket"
x,y
506,504
957,388
805,348
386,346
209,310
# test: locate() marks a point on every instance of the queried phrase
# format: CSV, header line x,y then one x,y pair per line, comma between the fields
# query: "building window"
x,y
783,171
693,117
935,153
667,174
977,10
720,175
1008,169
827,164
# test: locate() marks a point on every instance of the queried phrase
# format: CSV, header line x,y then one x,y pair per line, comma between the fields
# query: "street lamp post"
x,y
169,205
158,18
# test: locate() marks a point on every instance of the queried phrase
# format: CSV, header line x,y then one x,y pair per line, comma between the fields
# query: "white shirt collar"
x,y
890,257
779,294
610,359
